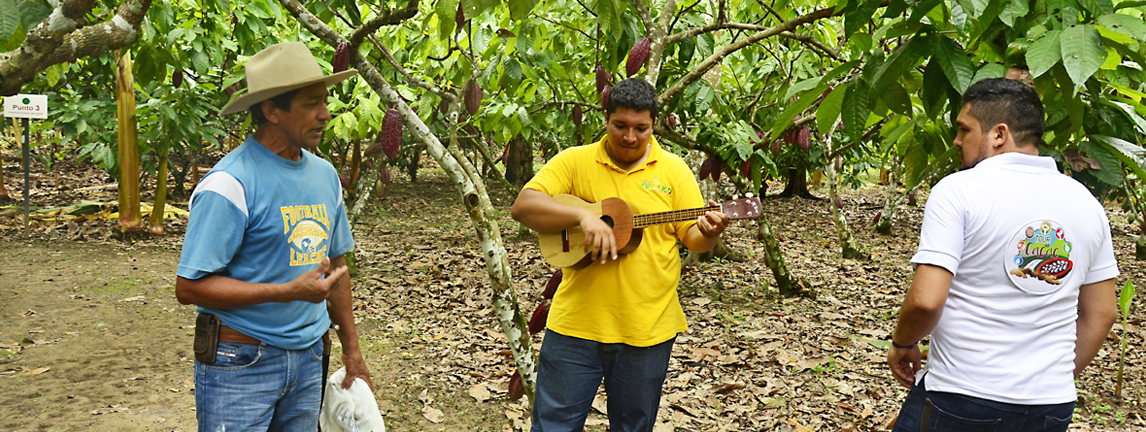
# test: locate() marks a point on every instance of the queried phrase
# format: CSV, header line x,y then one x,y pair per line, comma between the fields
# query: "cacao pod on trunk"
x,y
776,147
177,78
603,79
705,169
341,57
839,163
384,173
605,98
839,202
540,315
637,56
745,168
804,138
391,137
551,286
472,94
671,121
876,220
516,387
577,115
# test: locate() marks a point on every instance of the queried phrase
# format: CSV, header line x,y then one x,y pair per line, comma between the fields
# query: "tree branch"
x,y
716,57
383,19
60,39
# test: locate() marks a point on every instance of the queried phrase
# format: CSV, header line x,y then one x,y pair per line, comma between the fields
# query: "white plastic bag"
x,y
353,410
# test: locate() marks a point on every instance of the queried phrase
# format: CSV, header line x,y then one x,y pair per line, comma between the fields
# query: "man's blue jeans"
x,y
259,388
925,411
570,371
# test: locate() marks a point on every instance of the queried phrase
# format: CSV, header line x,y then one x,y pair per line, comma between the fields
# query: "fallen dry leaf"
x,y
479,392
432,414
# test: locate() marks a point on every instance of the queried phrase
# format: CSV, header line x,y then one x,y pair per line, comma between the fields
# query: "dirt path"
x,y
91,338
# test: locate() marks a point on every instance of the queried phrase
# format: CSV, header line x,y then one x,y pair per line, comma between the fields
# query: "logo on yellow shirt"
x,y
307,233
655,185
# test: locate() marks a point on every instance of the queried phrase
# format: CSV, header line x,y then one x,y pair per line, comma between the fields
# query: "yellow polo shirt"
x,y
631,300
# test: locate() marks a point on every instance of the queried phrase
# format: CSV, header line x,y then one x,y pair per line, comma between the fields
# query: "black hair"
x,y
633,93
1001,100
281,102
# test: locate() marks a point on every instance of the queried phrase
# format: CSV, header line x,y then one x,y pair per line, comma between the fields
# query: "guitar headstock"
x,y
744,208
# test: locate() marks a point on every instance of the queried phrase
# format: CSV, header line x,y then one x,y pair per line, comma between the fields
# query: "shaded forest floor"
x,y
91,337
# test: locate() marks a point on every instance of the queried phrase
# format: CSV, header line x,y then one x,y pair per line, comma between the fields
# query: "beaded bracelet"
x,y
912,345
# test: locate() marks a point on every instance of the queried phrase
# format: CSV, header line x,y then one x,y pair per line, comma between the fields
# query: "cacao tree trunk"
x,y
473,196
848,244
519,164
156,222
4,197
797,183
129,216
366,186
787,285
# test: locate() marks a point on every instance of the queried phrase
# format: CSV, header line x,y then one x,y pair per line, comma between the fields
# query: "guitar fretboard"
x,y
650,219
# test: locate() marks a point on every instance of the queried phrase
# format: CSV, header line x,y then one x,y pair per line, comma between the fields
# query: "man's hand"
x,y
713,223
905,362
355,368
599,239
312,286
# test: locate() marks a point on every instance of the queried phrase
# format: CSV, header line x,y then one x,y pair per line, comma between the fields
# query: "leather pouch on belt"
x,y
206,338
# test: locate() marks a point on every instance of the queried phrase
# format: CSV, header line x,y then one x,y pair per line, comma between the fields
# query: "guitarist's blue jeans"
x,y
569,373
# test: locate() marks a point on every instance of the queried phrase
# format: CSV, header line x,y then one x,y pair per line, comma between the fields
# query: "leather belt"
x,y
228,334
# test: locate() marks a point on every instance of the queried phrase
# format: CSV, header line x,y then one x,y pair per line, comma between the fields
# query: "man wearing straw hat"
x,y
263,257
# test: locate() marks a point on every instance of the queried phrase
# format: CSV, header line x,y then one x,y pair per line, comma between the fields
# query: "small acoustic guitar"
x,y
566,249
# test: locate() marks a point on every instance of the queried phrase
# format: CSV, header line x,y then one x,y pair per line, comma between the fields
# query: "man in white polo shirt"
x,y
1015,287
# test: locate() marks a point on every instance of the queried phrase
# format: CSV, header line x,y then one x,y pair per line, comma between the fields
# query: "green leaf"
x,y
802,86
1129,4
474,8
1129,153
990,70
900,62
1125,298
32,12
974,8
915,162
785,119
935,86
447,11
856,109
829,110
1124,24
9,18
201,61
897,99
1110,169
1082,53
954,62
1013,9
859,14
520,9
609,18
1044,53
1097,7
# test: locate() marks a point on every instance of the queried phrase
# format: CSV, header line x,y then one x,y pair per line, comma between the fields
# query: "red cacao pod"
x,y
876,220
789,136
839,202
552,284
384,173
605,98
716,171
472,94
341,57
804,138
516,387
706,168
177,78
637,56
342,178
672,121
745,168
391,137
603,79
540,315
839,163
776,147
577,115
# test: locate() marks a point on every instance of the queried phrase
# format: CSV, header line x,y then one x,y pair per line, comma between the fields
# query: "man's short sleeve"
x,y
1104,266
215,227
941,237
341,239
556,177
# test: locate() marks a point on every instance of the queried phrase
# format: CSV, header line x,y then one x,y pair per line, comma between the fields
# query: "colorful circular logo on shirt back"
x,y
1039,258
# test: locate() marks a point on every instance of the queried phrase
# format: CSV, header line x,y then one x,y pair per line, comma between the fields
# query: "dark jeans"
x,y
570,371
925,411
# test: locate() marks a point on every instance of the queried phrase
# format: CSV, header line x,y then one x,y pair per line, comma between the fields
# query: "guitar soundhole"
x,y
608,220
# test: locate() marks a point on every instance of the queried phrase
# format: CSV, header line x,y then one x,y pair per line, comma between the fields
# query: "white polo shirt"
x,y
1020,238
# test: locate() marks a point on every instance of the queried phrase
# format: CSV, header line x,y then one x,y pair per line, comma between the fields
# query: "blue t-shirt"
x,y
257,217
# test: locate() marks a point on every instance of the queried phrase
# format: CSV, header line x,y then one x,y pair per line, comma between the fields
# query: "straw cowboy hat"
x,y
278,69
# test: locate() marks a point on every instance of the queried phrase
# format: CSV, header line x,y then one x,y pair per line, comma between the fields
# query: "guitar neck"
x,y
650,219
